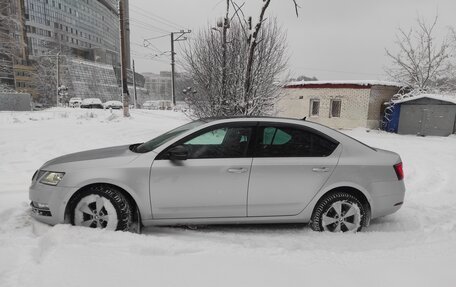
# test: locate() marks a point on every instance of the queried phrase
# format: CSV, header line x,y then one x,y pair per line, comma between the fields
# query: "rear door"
x,y
290,165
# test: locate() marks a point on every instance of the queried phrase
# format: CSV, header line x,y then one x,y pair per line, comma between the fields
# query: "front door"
x,y
211,182
290,166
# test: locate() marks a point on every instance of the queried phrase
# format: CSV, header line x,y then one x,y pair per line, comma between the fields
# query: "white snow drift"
x,y
414,247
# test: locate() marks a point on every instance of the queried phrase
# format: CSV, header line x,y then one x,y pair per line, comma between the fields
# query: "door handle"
x,y
237,170
320,169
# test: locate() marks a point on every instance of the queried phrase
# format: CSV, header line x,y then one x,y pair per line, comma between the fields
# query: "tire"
x,y
101,206
330,213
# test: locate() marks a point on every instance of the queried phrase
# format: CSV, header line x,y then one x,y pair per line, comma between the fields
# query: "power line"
x,y
149,15
147,26
158,37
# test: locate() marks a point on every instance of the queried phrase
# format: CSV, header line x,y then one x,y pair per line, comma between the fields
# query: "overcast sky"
x,y
331,39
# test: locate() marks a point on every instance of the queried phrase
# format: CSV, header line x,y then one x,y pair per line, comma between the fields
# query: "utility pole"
x,y
225,26
180,37
57,57
135,99
173,92
123,57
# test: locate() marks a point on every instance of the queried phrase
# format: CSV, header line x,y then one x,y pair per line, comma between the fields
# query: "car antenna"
x,y
304,118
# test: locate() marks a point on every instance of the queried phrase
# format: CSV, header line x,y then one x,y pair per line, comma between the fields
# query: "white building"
x,y
338,104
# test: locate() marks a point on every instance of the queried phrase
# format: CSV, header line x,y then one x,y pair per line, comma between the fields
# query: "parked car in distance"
x,y
37,106
150,105
92,103
113,105
75,102
224,171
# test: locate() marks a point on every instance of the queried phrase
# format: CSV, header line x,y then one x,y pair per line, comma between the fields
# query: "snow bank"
x,y
414,247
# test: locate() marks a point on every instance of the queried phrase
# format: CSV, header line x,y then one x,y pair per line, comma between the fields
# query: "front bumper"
x,y
54,197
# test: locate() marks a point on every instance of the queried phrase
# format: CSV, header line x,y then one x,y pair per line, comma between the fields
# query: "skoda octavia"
x,y
224,171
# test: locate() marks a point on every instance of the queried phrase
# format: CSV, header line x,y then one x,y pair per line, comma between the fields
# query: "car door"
x,y
211,182
290,165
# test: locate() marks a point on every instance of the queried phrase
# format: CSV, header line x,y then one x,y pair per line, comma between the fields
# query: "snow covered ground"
x,y
414,247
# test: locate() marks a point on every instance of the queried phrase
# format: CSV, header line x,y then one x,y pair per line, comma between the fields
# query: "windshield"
x,y
161,139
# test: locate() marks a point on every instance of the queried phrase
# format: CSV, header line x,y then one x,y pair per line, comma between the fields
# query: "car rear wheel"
x,y
101,206
338,212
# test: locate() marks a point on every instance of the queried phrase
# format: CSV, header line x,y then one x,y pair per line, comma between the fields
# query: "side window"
x,y
292,142
226,142
214,137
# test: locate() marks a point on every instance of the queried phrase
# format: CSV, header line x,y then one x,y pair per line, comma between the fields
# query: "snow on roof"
x,y
346,82
445,98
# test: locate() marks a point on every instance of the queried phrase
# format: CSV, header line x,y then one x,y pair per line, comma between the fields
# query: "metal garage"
x,y
427,115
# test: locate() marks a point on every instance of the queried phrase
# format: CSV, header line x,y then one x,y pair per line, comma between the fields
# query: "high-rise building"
x,y
86,28
81,35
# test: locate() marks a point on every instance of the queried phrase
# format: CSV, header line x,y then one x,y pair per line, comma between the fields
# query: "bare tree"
x,y
203,59
45,80
253,41
45,76
9,45
422,62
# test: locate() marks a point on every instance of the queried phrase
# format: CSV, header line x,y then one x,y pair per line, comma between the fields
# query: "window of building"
x,y
335,108
314,107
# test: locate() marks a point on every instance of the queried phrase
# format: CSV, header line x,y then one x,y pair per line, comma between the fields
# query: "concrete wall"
x,y
378,96
354,110
15,102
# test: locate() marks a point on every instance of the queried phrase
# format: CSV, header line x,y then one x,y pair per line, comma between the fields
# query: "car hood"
x,y
117,155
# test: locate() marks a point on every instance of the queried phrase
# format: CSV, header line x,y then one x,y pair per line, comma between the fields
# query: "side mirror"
x,y
179,152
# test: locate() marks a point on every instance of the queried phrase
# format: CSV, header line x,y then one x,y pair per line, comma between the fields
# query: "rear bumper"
x,y
387,197
48,202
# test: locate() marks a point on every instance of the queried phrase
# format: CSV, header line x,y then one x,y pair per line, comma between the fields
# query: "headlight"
x,y
52,178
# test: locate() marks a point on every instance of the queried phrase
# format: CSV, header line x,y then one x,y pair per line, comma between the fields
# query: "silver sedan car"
x,y
224,171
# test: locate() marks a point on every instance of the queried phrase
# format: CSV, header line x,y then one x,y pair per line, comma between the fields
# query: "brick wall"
x,y
378,96
354,109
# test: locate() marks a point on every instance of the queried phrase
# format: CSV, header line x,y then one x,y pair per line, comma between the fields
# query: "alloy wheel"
x,y
95,211
342,216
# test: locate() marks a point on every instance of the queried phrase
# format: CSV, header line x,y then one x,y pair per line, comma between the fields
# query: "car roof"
x,y
250,118
332,133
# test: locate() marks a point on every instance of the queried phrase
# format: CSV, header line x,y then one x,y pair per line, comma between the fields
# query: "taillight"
x,y
399,171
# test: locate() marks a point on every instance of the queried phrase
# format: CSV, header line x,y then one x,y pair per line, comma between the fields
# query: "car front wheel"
x,y
101,206
338,212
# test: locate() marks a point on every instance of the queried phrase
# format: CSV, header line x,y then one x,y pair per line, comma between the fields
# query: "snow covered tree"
x,y
45,77
202,61
304,78
236,72
422,62
9,45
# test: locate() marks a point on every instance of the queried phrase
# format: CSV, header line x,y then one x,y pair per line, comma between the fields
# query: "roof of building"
x,y
342,84
444,98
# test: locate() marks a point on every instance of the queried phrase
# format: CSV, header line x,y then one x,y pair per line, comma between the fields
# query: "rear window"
x,y
292,142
